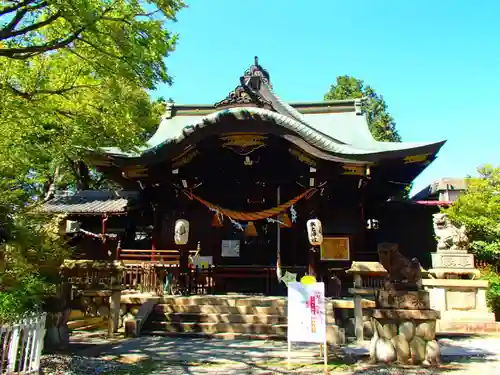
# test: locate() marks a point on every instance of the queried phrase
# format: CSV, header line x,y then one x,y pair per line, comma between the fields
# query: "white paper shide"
x,y
314,232
306,313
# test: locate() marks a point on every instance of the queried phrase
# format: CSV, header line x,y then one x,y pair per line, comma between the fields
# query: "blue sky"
x,y
437,63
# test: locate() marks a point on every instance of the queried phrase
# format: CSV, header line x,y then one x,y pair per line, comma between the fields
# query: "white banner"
x,y
306,313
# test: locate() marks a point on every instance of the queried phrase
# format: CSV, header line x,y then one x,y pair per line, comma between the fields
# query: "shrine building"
x,y
247,173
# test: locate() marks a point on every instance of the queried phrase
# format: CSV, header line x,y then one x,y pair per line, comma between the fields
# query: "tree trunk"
x,y
81,173
51,189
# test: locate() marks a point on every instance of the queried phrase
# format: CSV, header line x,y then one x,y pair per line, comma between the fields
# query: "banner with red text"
x,y
306,312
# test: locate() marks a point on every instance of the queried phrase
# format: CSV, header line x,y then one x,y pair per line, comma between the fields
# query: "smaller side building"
x,y
446,190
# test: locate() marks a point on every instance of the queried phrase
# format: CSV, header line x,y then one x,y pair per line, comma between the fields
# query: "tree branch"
x,y
100,49
20,15
30,95
13,8
131,17
27,52
6,33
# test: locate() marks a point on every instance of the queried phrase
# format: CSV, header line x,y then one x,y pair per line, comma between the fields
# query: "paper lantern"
x,y
285,221
217,221
314,232
250,230
181,232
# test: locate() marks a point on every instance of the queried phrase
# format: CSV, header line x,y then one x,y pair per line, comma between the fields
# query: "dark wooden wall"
x,y
409,225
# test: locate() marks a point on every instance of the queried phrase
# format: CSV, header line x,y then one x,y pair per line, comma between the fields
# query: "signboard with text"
x,y
306,313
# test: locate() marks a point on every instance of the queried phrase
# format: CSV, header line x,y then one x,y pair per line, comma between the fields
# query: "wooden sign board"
x,y
335,248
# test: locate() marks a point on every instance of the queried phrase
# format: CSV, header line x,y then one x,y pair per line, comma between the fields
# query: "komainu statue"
x,y
448,236
404,274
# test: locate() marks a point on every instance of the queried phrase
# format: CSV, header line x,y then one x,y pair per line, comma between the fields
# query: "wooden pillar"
x,y
184,267
312,258
313,250
105,247
154,234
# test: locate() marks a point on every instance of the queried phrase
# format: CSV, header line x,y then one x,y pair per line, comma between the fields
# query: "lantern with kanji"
x,y
314,232
181,232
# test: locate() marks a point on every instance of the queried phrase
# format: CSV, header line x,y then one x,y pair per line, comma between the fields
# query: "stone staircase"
x,y
230,317
227,317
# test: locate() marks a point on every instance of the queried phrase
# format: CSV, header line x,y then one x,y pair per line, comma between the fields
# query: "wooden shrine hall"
x,y
246,174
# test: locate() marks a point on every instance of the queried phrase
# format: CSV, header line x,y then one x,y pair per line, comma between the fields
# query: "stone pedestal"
x,y
412,300
404,328
451,264
459,300
405,336
452,259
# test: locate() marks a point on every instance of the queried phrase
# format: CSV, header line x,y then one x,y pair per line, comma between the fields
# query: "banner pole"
x,y
289,359
325,358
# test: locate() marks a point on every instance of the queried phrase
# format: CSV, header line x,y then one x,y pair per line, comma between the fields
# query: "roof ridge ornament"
x,y
247,92
358,105
169,109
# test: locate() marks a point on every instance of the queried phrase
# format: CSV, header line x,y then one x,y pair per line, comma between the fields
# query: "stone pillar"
x,y
358,310
114,305
438,299
481,303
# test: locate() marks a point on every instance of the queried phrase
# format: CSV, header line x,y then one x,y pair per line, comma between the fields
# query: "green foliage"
x,y
381,123
479,210
73,76
23,297
29,263
120,37
493,294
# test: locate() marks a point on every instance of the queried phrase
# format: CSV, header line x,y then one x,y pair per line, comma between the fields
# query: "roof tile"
x,y
89,202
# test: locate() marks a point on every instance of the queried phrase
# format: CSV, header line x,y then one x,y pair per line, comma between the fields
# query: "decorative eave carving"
x,y
247,92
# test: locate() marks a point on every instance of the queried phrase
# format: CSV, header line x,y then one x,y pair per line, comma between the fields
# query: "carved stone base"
x,y
412,300
454,273
450,259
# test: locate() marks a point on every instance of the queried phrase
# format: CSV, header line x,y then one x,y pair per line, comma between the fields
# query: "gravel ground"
x,y
160,356
77,365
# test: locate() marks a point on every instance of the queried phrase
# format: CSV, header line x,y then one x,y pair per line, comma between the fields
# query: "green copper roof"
x,y
335,130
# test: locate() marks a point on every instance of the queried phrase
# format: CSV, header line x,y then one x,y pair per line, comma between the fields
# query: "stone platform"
x,y
459,300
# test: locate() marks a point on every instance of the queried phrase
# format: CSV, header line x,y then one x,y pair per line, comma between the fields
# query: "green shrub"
x,y
493,293
23,297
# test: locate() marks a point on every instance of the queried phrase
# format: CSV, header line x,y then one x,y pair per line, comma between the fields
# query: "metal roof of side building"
x,y
446,189
90,202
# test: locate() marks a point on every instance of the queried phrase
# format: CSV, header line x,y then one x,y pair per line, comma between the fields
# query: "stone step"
x,y
225,301
216,328
220,318
223,335
219,309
